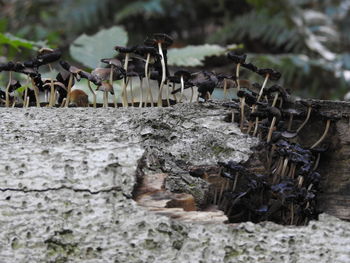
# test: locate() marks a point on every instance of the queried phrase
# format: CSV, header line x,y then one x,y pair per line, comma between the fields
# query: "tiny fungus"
x,y
106,87
126,51
328,118
79,98
113,62
184,75
149,52
162,41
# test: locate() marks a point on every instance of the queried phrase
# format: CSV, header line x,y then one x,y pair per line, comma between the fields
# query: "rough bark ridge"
x,y
66,176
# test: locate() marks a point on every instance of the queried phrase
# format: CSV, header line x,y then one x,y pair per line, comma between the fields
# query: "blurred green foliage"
x,y
307,40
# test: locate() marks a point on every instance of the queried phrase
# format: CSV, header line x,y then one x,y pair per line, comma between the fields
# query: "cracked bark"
x,y
67,176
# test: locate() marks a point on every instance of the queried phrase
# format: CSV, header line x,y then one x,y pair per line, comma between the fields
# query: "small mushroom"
x,y
150,53
276,115
79,98
113,62
106,87
184,75
328,118
126,51
162,41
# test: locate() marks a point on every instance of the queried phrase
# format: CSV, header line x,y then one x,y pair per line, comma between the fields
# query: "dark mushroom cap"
x,y
112,61
48,57
237,58
72,69
249,98
274,112
274,88
165,40
144,50
124,50
330,116
184,73
7,66
90,77
249,66
174,79
15,84
273,74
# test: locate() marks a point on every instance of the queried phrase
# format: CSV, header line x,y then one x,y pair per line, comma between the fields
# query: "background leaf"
x,y
193,56
88,50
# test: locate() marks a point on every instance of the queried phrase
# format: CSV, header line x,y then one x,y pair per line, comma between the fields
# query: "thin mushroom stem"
x,y
237,76
111,82
275,100
242,113
306,119
124,92
52,89
69,88
25,97
225,89
290,122
285,165
263,87
174,95
167,93
269,136
52,93
141,91
159,104
131,92
192,93
258,99
323,135
182,88
63,102
36,93
147,81
7,103
235,183
93,94
317,161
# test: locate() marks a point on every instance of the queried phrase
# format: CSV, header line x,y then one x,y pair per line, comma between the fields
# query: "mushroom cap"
x,y
124,50
7,66
15,84
144,50
106,86
90,77
274,88
249,66
274,112
103,74
273,74
72,69
288,135
175,79
184,73
45,50
165,40
48,57
237,58
330,116
112,61
293,111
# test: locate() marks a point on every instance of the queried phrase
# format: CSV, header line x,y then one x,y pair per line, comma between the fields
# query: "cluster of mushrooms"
x,y
286,192
141,62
